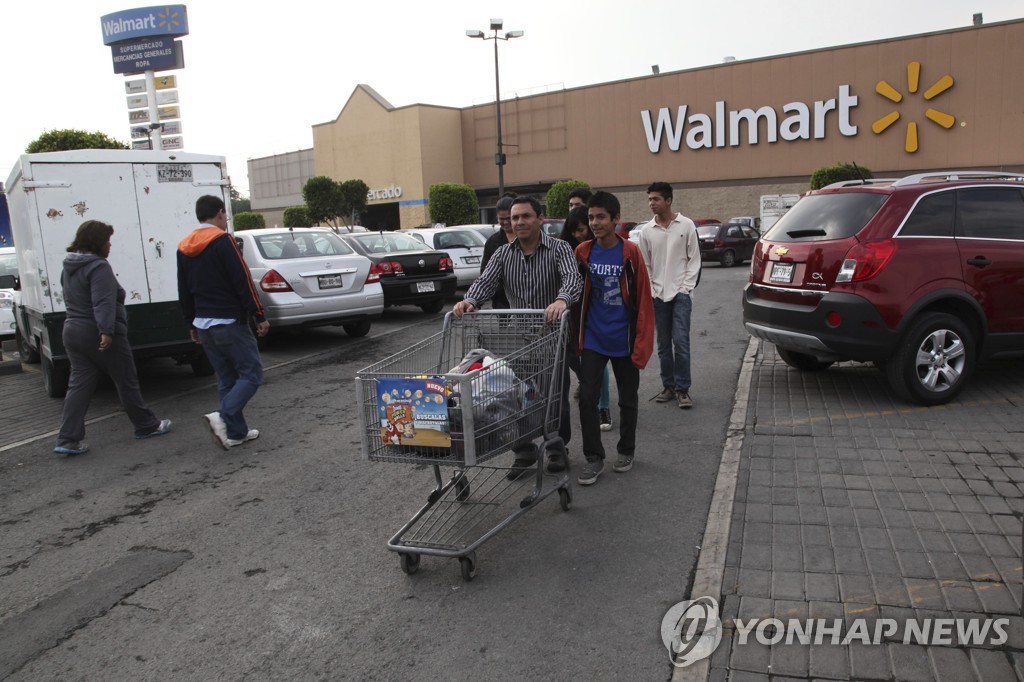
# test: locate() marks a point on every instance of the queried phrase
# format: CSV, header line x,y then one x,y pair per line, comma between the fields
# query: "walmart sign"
x,y
168,21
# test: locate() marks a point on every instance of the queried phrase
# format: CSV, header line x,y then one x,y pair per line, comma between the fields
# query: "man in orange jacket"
x,y
614,322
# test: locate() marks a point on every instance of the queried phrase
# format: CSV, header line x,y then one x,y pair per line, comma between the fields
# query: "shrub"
x,y
296,216
69,139
841,171
453,203
249,220
557,199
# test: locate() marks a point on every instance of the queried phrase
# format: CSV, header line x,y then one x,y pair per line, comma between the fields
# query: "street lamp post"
x,y
499,157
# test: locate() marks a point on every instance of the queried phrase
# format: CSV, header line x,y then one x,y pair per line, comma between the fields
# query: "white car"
x,y
464,244
634,234
311,277
8,266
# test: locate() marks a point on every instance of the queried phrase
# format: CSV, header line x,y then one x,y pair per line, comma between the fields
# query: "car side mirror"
x,y
241,245
10,282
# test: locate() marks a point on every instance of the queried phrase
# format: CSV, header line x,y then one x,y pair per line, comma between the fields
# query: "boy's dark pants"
x,y
627,380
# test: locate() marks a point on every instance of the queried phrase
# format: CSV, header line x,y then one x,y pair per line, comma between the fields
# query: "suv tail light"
x,y
446,264
866,260
273,281
373,275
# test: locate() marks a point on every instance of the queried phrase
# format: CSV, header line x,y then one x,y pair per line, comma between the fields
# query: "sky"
x,y
257,76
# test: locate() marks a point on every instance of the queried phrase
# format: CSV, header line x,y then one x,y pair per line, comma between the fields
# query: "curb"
x,y
707,581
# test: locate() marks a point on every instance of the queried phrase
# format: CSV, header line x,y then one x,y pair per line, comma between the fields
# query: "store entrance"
x,y
381,217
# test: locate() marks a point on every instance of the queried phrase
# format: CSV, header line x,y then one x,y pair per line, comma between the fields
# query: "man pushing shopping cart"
x,y
537,272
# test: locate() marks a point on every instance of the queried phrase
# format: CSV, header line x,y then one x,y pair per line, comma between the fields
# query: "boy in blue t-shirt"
x,y
613,322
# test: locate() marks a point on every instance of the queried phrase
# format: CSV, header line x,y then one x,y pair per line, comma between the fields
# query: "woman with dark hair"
x,y
96,312
576,230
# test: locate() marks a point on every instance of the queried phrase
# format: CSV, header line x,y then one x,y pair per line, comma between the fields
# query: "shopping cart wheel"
x,y
410,562
461,487
565,498
468,566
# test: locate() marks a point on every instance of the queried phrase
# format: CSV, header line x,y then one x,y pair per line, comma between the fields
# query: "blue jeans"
x,y
232,351
672,323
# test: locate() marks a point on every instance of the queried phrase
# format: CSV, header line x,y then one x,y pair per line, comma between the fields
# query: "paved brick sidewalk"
x,y
850,504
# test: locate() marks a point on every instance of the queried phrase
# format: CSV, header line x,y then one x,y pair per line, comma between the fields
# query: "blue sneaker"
x,y
72,449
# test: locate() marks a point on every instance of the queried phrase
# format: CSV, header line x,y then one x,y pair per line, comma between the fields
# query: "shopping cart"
x,y
420,406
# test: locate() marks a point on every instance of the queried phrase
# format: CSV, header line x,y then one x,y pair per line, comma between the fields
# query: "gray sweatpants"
x,y
82,342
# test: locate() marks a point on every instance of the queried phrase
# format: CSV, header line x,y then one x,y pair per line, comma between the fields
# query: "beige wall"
x,y
597,134
410,147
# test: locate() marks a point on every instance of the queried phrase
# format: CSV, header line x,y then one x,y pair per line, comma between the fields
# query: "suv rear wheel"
x,y
803,361
933,361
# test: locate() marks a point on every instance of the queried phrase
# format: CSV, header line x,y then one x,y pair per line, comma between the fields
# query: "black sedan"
x,y
728,244
410,272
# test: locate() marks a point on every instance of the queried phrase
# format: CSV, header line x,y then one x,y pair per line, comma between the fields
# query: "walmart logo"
x,y
913,81
169,19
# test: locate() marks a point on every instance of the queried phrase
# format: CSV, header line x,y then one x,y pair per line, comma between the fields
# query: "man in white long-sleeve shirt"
x,y
671,253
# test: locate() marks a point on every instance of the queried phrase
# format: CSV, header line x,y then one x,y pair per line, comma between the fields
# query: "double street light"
x,y
499,157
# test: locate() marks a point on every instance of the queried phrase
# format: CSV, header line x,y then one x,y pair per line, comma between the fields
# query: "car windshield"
x,y
821,217
458,239
300,245
8,264
707,231
385,242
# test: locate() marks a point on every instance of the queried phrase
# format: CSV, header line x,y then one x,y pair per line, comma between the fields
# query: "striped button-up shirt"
x,y
531,282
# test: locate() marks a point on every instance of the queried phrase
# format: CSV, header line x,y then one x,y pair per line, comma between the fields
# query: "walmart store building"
x,y
723,135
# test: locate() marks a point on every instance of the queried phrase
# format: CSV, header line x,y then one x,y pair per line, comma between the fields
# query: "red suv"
x,y
923,276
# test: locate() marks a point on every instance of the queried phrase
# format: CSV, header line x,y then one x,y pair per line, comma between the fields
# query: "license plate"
x,y
424,287
330,281
471,260
173,172
782,272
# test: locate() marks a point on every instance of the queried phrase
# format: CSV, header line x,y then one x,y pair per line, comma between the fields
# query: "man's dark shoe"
x,y
605,417
666,395
623,464
591,470
520,468
556,461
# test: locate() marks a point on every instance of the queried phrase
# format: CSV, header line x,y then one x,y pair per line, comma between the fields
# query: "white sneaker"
x,y
252,435
162,428
218,429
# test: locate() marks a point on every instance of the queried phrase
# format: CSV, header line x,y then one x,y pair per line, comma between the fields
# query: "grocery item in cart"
x,y
413,411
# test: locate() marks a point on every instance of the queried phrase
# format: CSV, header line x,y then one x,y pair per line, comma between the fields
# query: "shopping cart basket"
x,y
420,406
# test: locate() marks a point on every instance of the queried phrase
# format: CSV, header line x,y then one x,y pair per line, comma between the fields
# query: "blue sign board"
x,y
6,239
147,54
145,22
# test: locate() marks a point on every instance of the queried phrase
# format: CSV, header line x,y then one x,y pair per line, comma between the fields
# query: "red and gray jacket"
x,y
636,295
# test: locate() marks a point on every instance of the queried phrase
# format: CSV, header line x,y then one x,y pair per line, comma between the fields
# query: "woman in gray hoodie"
x,y
96,340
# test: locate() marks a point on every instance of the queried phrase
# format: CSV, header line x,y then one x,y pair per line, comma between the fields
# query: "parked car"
x,y
705,221
924,276
464,244
311,277
9,268
410,272
484,230
748,220
623,229
552,227
727,244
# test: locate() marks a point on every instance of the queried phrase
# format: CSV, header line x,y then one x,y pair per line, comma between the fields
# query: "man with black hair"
x,y
503,236
218,299
613,323
671,253
537,272
579,197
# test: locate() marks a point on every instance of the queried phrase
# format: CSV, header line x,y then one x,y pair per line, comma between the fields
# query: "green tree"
x,y
69,139
453,203
353,200
557,198
323,200
826,175
297,216
249,221
239,204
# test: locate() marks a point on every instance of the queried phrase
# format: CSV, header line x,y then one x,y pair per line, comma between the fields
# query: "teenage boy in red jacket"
x,y
613,322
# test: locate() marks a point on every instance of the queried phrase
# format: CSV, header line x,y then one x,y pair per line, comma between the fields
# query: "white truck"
x,y
149,197
773,207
